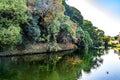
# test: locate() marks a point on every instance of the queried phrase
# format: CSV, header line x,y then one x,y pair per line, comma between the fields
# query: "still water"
x,y
108,70
94,65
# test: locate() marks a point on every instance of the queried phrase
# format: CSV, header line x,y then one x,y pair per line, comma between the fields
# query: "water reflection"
x,y
62,66
109,70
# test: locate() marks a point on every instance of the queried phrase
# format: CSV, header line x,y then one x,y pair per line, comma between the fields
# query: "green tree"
x,y
95,33
84,38
9,37
106,39
53,30
73,13
12,15
66,32
12,12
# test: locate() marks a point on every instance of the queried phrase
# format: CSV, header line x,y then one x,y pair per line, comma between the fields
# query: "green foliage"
x,y
73,13
13,10
53,47
64,24
67,28
44,38
53,27
12,15
80,32
88,39
60,1
31,31
106,39
84,38
10,36
46,21
50,10
53,30
95,33
63,18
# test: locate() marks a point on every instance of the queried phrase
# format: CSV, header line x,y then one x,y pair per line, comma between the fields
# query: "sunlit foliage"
x,y
12,15
49,21
9,37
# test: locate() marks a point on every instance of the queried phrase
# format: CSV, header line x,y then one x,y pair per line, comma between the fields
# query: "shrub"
x,y
84,38
13,10
68,29
12,15
9,37
53,30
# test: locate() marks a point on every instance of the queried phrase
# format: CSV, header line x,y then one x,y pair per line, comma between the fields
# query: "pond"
x,y
95,65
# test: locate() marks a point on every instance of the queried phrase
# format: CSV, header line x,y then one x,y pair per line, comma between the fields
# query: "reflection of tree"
x,y
5,70
53,67
106,50
97,62
117,52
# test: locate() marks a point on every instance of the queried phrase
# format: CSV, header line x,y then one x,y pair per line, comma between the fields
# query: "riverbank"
x,y
40,48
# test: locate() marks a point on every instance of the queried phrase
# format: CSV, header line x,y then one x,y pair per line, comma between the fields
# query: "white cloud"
x,y
99,18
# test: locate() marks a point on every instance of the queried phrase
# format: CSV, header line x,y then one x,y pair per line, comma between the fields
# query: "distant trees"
x,y
117,37
86,32
73,13
106,39
95,33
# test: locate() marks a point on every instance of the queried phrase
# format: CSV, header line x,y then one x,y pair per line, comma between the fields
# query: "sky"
x,y
104,14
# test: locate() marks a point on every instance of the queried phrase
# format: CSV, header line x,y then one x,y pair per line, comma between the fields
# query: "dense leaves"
x,y
48,21
66,32
12,14
84,38
9,37
75,15
95,33
13,11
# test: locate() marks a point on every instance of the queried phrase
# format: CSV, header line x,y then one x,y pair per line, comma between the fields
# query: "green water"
x,y
61,66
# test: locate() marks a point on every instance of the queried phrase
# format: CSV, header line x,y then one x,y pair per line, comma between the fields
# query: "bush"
x,y
53,30
67,28
9,37
31,31
84,38
13,10
12,15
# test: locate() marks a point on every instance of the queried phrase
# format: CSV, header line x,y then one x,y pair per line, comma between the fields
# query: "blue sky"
x,y
112,6
104,14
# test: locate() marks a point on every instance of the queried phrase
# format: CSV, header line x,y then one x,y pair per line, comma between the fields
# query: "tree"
x,y
84,38
95,33
12,15
53,30
66,32
106,39
73,13
9,37
13,12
